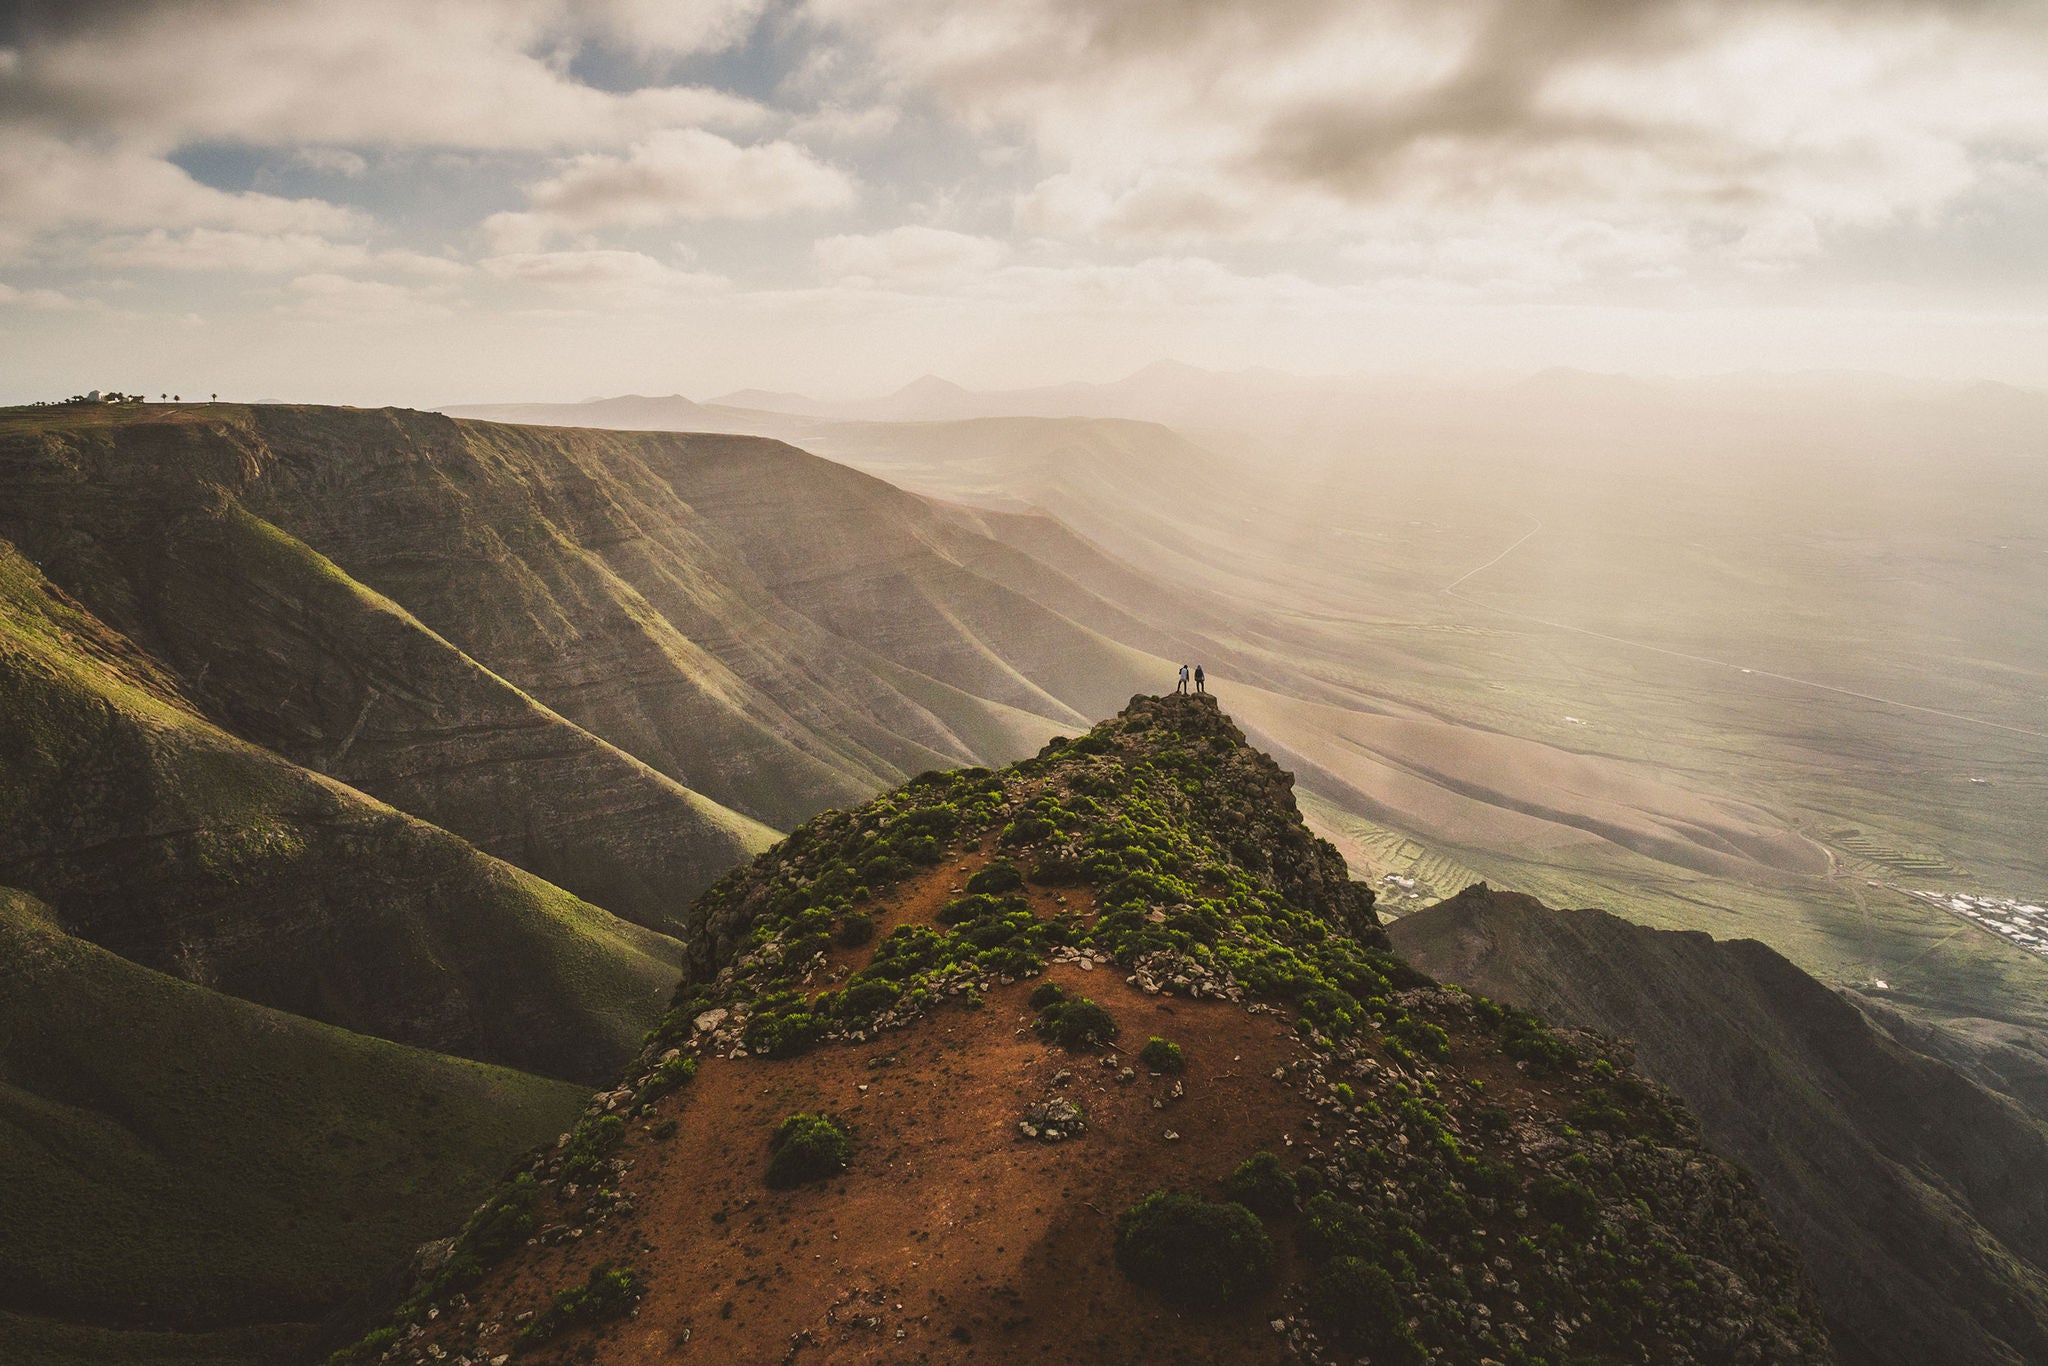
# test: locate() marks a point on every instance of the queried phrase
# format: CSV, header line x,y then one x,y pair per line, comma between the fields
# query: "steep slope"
x,y
279,645
789,645
882,1120
1913,1193
186,1173
151,832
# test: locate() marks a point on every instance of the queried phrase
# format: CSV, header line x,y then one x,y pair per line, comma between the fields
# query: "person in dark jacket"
x,y
1199,687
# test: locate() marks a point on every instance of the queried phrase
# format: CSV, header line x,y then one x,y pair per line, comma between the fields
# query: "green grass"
x,y
172,1158
157,835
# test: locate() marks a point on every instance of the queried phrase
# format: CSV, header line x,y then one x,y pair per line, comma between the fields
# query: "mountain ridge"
x,y
1909,1188
877,974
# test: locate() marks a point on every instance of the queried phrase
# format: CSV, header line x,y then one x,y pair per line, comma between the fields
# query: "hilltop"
x,y
983,1018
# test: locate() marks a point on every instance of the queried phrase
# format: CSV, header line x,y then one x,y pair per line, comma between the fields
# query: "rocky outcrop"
x,y
1913,1193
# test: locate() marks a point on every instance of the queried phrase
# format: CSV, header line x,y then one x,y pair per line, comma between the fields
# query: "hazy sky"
x,y
428,201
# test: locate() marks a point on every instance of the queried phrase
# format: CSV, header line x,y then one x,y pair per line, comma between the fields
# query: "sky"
x,y
442,201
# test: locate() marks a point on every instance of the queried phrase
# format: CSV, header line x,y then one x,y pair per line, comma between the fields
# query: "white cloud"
x,y
456,73
44,299
48,184
680,175
233,250
334,160
1676,134
909,256
612,279
341,298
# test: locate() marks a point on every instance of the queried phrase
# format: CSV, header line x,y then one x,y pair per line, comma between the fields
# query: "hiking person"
x,y
1199,686
1183,685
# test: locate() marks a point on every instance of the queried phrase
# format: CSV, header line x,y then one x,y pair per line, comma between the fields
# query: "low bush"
x,y
1196,1252
1161,1055
1077,1024
1565,1202
855,929
666,1078
1261,1186
1046,994
807,1148
1059,870
1000,876
1330,1228
591,1145
610,1292
962,909
1028,830
1356,1302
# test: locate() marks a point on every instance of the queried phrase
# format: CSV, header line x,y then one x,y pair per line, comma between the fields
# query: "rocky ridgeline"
x,y
1471,1186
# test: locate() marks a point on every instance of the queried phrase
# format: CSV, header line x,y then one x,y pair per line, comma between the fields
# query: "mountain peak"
x,y
932,386
1024,1062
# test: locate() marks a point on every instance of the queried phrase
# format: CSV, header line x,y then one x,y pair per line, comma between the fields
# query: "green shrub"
x,y
666,1078
1028,830
1000,876
1356,1303
1160,1055
807,1148
665,1130
856,928
610,1292
866,997
591,1143
1194,1251
1331,1228
1261,1186
1077,1024
1565,1202
1046,994
962,909
1059,870
784,1034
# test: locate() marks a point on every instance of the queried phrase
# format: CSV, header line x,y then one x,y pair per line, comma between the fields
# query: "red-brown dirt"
x,y
950,1238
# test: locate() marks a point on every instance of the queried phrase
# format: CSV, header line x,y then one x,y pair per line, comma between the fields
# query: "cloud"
x,y
908,256
681,175
611,279
48,184
491,74
47,300
1697,128
341,298
232,250
333,160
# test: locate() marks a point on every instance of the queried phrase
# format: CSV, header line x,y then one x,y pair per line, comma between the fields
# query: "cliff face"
x,y
1913,1193
1014,1065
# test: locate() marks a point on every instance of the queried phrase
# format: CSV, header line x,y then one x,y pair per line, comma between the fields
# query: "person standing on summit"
x,y
1199,686
1183,685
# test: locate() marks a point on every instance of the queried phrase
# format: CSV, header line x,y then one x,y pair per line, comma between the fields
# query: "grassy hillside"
x,y
153,833
280,646
181,1163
